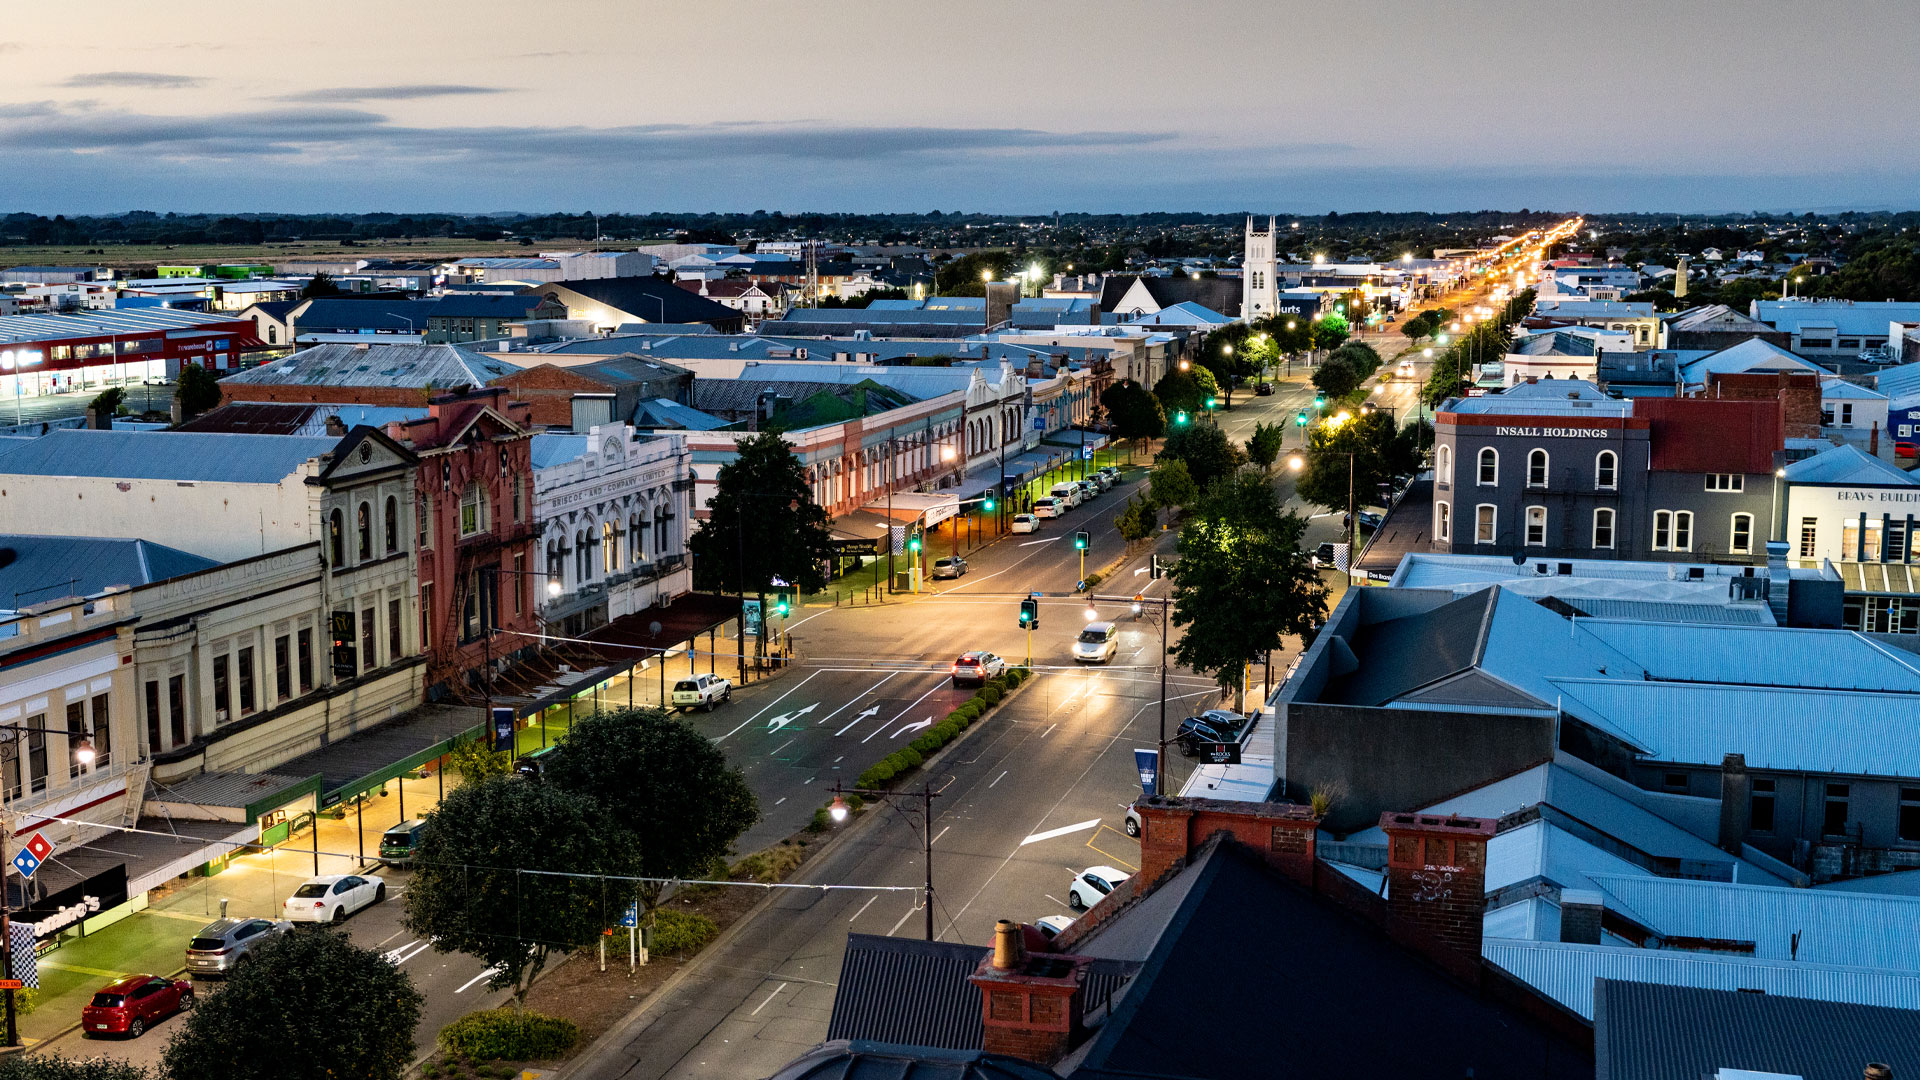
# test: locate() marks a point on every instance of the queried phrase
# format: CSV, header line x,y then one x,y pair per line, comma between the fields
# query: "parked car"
x,y
1026,523
1068,494
131,1005
1134,826
1111,471
1323,556
1100,480
220,945
1370,521
1225,721
396,844
1905,449
1091,884
1052,926
701,692
1048,507
1195,733
1097,643
1264,389
976,668
333,897
950,567
1088,489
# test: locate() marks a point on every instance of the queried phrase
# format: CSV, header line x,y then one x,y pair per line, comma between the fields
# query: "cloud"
x,y
408,92
143,80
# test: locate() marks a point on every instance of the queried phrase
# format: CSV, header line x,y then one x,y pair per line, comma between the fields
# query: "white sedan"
x,y
333,897
1025,523
1092,885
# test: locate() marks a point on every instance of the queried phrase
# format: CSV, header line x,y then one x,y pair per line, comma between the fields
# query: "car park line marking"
x,y
905,711
769,705
769,1001
937,836
999,778
487,974
864,907
890,933
1100,833
1062,903
1062,831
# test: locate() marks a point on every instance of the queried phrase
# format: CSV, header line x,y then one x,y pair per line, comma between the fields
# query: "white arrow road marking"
x,y
856,697
872,710
1048,540
768,706
393,956
1062,831
784,719
487,974
1142,570
905,711
927,723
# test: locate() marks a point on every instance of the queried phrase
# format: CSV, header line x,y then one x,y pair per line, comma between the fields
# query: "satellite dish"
x,y
1519,559
654,628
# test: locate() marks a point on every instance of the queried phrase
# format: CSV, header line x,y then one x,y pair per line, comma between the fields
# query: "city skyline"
x,y
989,106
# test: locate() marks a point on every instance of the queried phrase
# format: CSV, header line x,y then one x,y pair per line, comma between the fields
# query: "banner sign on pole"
x,y
502,728
1148,762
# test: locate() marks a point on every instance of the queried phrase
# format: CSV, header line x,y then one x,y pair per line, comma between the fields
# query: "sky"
x,y
999,106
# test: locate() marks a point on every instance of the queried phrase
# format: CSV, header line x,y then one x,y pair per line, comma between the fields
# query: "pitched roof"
x,y
857,1059
1813,926
1715,318
1644,1031
645,299
1711,435
1850,466
165,455
901,990
484,306
1753,354
34,569
414,366
328,313
1214,293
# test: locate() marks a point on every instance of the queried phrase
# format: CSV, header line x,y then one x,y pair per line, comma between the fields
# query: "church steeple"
x,y
1259,293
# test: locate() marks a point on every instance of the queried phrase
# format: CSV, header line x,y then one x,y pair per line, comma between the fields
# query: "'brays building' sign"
x,y
1553,432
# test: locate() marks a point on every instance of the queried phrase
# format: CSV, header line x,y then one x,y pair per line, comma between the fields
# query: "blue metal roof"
x,y
1816,926
549,450
1845,316
42,568
212,457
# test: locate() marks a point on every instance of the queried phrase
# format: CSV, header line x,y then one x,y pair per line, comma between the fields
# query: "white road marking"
x,y
393,955
865,906
905,711
1062,831
871,710
779,800
903,920
856,697
999,778
770,997
422,947
927,723
808,780
1030,543
938,835
768,705
487,974
784,719
1062,903
779,748
1049,730
840,759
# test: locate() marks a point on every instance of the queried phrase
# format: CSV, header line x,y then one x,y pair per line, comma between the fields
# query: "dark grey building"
x,y
1559,469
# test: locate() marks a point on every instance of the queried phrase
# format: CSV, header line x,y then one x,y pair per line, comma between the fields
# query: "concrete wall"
x,y
218,520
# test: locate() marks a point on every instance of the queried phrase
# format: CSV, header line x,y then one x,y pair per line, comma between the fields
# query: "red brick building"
x,y
475,508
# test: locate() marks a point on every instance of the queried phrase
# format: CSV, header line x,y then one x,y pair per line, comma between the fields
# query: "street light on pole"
x,y
838,811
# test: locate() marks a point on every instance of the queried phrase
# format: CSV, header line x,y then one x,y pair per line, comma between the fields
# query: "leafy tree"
x,y
1242,582
107,402
962,276
1264,448
1227,354
1185,391
1329,332
1361,355
468,892
1378,455
763,524
476,760
1171,485
1420,326
306,1006
1441,317
199,389
1134,413
687,814
1136,520
320,285
54,1067
1337,376
1206,450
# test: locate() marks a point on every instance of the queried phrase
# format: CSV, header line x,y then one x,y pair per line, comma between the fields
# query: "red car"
x,y
134,1004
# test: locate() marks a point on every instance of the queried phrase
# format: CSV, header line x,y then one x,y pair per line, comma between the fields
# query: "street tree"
x,y
1242,583
1419,326
55,1067
475,759
198,390
1134,413
1137,519
1229,356
1208,452
1170,485
1361,355
320,285
306,1006
763,524
688,813
1185,392
1337,376
478,886
1264,447
1329,332
1378,454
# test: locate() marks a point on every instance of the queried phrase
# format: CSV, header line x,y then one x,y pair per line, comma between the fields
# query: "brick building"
x,y
580,396
475,512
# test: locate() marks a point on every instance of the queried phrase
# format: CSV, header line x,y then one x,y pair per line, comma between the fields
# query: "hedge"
x,y
682,932
991,694
510,1035
916,753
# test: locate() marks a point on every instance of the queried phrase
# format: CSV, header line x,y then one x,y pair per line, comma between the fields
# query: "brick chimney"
x,y
1172,829
1031,1005
1437,886
1580,914
1736,802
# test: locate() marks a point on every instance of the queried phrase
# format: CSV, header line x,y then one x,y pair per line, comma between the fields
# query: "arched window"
x,y
1489,467
610,547
1606,471
1740,540
363,532
556,559
583,557
1603,528
1536,526
660,528
473,511
636,539
1485,518
1536,468
393,524
336,537
1443,464
1442,521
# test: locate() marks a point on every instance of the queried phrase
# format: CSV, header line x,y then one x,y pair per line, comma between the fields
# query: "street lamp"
x,y
837,810
16,360
1296,463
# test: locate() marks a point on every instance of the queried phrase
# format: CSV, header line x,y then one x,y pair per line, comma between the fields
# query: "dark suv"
x,y
1212,726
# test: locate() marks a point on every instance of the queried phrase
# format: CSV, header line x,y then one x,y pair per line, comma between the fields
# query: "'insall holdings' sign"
x,y
1553,432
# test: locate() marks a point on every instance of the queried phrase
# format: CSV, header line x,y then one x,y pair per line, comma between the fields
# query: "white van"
x,y
1067,494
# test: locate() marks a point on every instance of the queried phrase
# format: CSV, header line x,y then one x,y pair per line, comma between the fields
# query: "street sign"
x,y
502,728
1086,453
632,918
1220,753
1148,762
25,863
12,984
750,609
1039,423
40,846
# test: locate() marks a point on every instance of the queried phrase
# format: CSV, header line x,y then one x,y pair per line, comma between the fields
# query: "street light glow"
x,y
838,810
1091,613
83,750
1296,463
554,588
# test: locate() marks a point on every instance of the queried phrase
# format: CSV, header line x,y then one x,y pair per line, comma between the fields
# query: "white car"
x,y
1096,643
1047,507
1092,885
1052,926
1133,820
701,692
333,897
1026,523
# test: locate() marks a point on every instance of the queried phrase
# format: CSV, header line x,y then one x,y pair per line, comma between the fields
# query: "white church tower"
x,y
1259,294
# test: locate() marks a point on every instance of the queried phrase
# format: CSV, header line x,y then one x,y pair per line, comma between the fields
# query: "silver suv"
x,y
217,948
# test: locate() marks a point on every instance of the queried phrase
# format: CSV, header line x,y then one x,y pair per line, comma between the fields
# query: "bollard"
x,y
223,907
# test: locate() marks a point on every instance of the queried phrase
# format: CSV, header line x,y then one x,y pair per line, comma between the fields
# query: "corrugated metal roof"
x,y
1848,316
1760,655
1540,850
1859,734
1648,1032
1706,435
663,413
1849,465
899,990
1899,883
1566,973
550,450
81,324
211,457
45,568
1899,383
1753,354
223,788
1849,929
411,366
843,1059
1842,390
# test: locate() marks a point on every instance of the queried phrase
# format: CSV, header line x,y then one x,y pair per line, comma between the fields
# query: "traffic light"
x,y
1211,402
913,544
987,505
1180,419
1319,401
1300,418
1029,614
781,607
1080,540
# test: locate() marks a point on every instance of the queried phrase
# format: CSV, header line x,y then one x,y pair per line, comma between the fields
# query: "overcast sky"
x,y
1011,106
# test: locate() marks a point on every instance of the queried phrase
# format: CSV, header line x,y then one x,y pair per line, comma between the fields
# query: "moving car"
x,y
396,844
1026,523
1323,556
1264,389
1091,884
333,897
977,668
131,1005
220,945
1048,507
1052,926
701,692
1097,643
951,567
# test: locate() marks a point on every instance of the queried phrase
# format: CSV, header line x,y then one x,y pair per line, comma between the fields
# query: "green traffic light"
x,y
987,506
1211,402
913,544
1179,419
